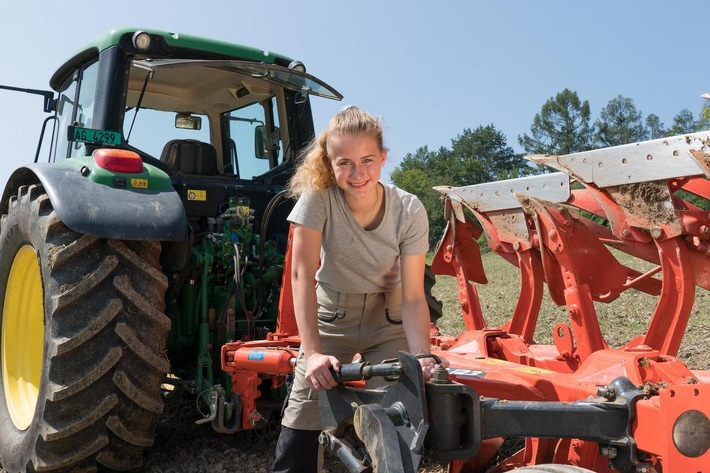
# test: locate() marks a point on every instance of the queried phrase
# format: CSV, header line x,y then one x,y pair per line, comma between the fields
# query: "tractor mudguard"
x,y
102,211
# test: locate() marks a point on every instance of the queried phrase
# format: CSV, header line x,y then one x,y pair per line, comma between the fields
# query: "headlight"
x,y
141,40
297,66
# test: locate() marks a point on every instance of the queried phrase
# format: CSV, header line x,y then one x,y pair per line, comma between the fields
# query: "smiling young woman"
x,y
364,243
357,161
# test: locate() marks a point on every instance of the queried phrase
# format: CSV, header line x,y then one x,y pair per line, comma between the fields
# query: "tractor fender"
x,y
102,211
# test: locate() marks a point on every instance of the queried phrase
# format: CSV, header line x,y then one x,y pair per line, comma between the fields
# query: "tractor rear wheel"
x,y
82,340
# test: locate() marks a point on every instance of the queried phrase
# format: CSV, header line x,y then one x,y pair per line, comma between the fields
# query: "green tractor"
x,y
150,230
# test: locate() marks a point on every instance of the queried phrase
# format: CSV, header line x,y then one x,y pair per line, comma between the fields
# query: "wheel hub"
x,y
22,337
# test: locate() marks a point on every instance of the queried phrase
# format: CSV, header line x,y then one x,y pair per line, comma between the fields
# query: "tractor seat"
x,y
191,157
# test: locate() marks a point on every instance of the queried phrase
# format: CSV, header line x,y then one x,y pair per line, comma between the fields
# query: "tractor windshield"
x,y
237,107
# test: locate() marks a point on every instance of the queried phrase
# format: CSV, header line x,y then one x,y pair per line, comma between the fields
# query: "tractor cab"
x,y
211,115
235,107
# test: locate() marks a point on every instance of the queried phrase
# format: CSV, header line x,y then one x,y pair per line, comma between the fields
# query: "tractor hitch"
x,y
444,420
394,423
224,413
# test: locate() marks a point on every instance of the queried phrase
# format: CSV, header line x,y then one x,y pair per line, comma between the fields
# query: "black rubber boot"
x,y
296,451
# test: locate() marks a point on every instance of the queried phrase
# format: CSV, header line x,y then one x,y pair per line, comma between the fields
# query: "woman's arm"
x,y
415,311
305,254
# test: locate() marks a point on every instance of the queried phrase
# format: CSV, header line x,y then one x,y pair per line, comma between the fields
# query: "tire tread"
x,y
105,332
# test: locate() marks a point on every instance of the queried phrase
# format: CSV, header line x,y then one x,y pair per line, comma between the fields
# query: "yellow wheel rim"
x,y
22,337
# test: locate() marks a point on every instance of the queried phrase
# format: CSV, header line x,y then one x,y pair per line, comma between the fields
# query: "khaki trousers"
x,y
368,324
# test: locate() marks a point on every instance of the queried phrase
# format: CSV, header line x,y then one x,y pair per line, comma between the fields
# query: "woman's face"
x,y
356,161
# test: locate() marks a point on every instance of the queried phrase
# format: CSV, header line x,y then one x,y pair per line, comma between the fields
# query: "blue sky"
x,y
429,69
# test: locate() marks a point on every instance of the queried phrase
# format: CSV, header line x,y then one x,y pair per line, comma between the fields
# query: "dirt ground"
x,y
181,446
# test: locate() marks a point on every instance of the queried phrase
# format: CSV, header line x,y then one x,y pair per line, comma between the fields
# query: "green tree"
x,y
415,174
683,123
487,155
478,155
561,127
453,169
704,121
655,127
619,123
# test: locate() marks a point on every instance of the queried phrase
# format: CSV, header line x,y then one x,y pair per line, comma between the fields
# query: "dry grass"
x,y
621,320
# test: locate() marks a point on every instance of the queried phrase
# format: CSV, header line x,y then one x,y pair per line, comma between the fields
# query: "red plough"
x,y
577,403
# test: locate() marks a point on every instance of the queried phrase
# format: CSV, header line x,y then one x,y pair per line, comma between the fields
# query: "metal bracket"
x,y
395,423
221,410
398,414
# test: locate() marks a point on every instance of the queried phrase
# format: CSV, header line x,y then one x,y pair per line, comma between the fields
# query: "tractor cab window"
x,y
149,130
241,104
76,107
252,139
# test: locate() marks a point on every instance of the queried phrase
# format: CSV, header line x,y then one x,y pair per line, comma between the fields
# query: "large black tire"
x,y
93,395
435,305
552,469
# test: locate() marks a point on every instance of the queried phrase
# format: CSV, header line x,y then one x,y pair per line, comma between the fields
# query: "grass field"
x,y
621,320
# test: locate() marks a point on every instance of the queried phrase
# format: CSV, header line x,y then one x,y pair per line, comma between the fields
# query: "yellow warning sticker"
x,y
193,194
139,183
243,211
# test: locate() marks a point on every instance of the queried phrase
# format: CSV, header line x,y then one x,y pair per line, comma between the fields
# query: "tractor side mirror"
x,y
265,144
260,149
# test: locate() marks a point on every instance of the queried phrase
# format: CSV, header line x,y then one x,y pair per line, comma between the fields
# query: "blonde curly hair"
x,y
314,171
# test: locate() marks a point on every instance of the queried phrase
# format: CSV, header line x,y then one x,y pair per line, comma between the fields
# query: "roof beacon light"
x,y
141,40
118,160
297,66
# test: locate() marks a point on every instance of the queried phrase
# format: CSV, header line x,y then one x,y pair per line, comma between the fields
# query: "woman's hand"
x,y
429,365
318,375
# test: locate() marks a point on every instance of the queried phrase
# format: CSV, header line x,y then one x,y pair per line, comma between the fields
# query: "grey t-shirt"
x,y
358,261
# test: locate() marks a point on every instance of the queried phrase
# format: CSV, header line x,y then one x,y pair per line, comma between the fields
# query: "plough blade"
x,y
648,200
633,188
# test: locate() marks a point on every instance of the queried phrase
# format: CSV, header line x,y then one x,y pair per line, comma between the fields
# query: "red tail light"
x,y
118,160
